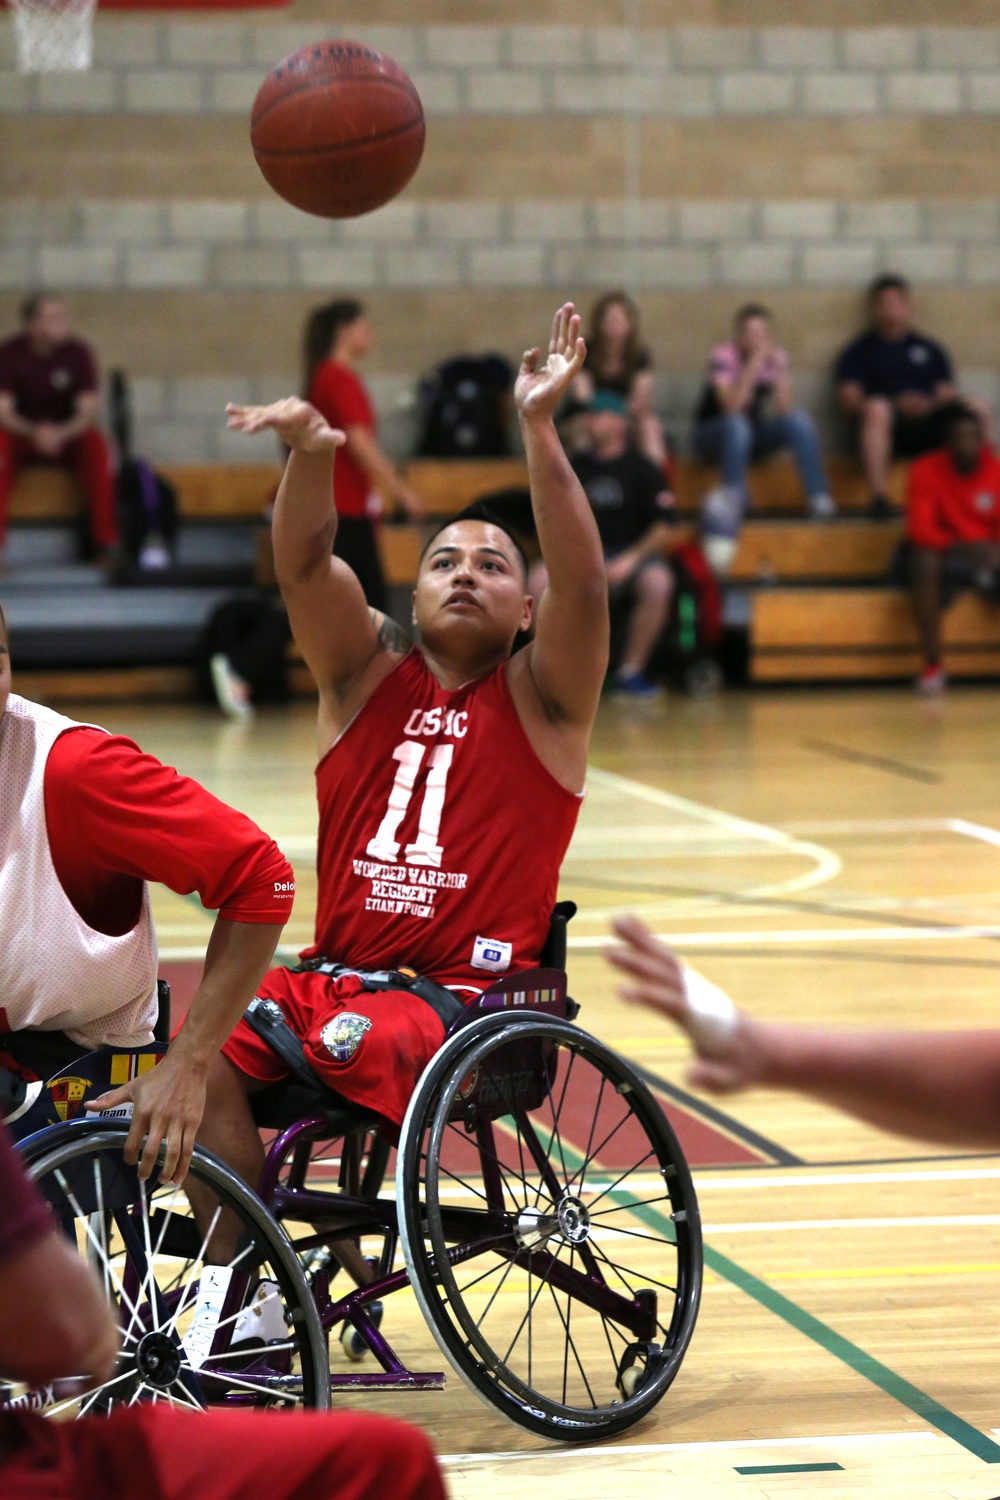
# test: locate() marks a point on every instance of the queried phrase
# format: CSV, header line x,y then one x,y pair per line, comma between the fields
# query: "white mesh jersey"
x,y
56,972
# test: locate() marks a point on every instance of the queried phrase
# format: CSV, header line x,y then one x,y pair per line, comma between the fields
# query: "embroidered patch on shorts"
x,y
342,1036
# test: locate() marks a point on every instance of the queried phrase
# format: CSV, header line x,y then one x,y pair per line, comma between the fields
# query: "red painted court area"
x,y
704,1144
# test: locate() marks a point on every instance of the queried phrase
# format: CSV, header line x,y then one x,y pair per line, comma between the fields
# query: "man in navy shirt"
x,y
897,384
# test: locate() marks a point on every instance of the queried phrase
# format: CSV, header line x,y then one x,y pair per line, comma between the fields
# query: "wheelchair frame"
x,y
490,1069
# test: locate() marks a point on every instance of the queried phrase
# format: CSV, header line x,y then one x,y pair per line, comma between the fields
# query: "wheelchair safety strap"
x,y
267,1020
446,1006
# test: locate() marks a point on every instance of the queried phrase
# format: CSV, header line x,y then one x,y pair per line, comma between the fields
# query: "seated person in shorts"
x,y
953,531
747,411
896,384
634,511
49,403
86,819
55,1322
450,773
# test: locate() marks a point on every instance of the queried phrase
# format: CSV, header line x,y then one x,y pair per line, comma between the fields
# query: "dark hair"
x,y
322,327
478,511
889,281
959,411
636,357
751,310
34,302
3,621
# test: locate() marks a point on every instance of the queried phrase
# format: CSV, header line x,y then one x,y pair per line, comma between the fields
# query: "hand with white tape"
x,y
724,1038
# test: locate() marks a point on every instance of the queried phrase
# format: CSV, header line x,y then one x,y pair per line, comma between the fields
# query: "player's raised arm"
x,y
338,634
569,654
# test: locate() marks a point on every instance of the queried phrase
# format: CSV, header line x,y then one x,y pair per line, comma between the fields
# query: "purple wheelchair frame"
x,y
356,1209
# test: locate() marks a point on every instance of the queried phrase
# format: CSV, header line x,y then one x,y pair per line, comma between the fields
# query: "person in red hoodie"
x,y
953,527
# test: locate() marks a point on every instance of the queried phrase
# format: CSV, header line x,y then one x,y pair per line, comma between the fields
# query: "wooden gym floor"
x,y
826,857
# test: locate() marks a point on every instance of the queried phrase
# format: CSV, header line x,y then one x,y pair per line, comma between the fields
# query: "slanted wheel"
x,y
261,1345
550,1226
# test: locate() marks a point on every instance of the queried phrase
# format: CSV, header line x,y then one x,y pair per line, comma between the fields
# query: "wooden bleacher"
x,y
817,610
808,634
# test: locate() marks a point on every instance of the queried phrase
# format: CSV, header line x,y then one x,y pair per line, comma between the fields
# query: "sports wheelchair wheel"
x,y
550,1226
262,1345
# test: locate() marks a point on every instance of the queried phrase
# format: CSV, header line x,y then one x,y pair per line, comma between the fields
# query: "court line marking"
x,y
762,937
961,1174
904,1221
703,1109
610,1450
827,865
896,1386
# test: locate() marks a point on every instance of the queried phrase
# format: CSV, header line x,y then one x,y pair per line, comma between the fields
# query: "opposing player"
x,y
450,773
86,819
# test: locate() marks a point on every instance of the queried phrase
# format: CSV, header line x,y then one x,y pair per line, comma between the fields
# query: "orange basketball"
x,y
337,129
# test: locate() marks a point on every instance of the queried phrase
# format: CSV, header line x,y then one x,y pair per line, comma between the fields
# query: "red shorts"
x,y
370,1046
170,1455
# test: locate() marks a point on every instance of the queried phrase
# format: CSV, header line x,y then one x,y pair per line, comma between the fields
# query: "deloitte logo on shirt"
x,y
281,886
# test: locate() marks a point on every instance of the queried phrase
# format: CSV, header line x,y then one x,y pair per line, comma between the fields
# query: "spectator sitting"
x,y
617,360
953,530
896,384
337,337
745,413
49,400
634,511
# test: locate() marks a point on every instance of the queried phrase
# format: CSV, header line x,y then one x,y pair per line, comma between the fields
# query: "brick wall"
x,y
765,158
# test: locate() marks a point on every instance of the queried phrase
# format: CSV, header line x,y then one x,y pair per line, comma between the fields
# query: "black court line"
x,y
714,1116
874,762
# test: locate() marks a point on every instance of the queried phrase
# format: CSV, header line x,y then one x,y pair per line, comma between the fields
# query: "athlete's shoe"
x,y
262,1319
232,693
931,683
634,685
822,507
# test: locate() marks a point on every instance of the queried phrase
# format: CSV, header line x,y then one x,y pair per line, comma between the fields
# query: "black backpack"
x,y
147,503
465,403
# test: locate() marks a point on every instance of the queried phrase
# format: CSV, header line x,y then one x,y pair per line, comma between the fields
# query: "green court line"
x,y
821,1333
788,1468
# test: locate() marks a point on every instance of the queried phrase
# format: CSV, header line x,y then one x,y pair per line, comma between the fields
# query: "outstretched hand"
x,y
540,388
726,1041
297,424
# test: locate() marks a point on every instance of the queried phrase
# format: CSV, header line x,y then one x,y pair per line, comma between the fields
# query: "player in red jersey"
x,y
450,773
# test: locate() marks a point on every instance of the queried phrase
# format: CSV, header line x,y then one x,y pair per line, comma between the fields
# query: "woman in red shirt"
x,y
337,336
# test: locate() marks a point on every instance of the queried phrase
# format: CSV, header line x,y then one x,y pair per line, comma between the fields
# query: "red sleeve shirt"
x,y
24,1218
944,506
337,392
45,387
116,817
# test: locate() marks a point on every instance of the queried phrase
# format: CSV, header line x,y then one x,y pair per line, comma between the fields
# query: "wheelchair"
x,y
539,1211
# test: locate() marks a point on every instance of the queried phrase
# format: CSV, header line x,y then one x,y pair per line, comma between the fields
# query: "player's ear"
x,y
528,613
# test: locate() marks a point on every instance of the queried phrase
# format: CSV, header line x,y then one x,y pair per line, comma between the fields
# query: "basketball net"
x,y
53,36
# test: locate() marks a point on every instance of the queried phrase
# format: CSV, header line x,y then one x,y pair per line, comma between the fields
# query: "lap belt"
x,y
266,1018
443,1002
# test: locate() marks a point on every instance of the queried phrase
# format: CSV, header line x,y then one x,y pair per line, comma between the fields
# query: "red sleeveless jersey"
x,y
441,834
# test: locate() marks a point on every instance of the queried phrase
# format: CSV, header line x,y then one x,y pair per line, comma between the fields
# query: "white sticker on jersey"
x,y
489,953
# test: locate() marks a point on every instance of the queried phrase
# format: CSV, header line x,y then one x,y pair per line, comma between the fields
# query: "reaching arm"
x,y
935,1086
382,472
338,634
569,654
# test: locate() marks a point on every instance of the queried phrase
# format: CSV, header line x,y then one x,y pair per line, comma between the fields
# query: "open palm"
x,y
296,423
541,387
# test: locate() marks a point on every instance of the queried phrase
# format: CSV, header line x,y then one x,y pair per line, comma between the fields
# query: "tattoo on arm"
x,y
391,637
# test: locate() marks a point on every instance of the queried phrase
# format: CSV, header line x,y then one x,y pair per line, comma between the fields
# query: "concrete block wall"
x,y
740,151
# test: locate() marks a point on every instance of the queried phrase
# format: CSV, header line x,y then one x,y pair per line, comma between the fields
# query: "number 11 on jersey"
x,y
425,849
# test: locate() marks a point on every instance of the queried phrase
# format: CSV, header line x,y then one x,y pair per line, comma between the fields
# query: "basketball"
x,y
337,129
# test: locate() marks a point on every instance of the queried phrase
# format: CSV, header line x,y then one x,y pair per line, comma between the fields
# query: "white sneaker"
x,y
263,1317
822,507
232,693
154,555
213,1284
